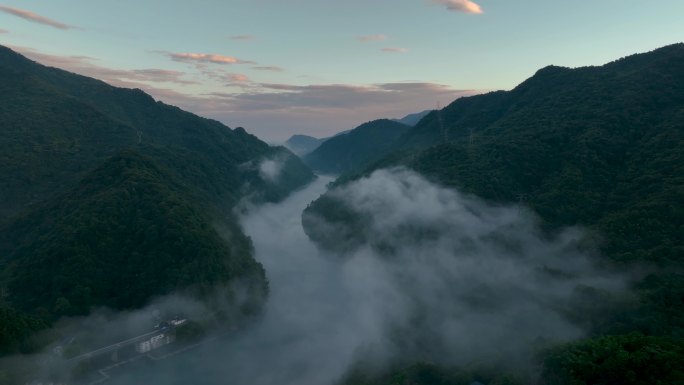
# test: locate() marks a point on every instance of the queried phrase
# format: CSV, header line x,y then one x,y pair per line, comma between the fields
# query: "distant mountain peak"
x,y
413,119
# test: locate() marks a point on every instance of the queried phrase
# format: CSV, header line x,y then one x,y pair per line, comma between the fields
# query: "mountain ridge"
x,y
345,152
110,198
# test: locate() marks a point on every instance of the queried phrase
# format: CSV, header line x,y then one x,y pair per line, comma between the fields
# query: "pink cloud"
x,y
271,111
277,111
466,6
208,58
238,78
395,50
367,38
34,17
3,30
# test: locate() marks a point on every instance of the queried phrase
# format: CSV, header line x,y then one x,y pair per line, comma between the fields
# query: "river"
x,y
315,320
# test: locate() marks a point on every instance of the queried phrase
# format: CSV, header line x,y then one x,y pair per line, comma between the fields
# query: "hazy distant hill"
x,y
413,119
597,146
347,151
108,197
303,144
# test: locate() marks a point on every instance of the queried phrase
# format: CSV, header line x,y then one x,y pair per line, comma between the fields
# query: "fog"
x,y
270,169
443,277
486,285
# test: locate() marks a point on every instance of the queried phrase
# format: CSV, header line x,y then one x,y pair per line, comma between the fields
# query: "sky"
x,y
316,67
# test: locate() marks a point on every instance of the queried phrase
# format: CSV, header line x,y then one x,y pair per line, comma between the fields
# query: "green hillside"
x,y
600,147
56,126
349,151
127,232
109,198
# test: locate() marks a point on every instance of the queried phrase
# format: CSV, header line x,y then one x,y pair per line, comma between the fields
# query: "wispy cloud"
x,y
466,6
243,37
125,78
157,75
367,38
207,58
301,108
3,30
34,17
274,111
395,50
238,78
268,68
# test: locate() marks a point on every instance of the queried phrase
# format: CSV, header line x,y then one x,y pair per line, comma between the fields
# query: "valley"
x,y
529,236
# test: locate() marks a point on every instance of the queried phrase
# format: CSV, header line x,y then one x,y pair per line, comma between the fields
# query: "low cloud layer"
x,y
35,18
466,6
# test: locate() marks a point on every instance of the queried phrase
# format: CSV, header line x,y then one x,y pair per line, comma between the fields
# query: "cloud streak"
x,y
336,96
268,68
35,18
124,78
207,58
276,111
272,111
465,6
367,38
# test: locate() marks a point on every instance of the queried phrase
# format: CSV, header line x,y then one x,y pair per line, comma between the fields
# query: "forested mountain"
x,y
597,146
348,151
109,198
600,147
126,232
57,125
413,119
303,144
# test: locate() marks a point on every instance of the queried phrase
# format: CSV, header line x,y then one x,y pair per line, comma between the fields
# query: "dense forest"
x,y
599,147
349,151
110,198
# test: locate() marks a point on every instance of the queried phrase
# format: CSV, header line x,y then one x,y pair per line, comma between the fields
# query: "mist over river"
x,y
313,323
476,290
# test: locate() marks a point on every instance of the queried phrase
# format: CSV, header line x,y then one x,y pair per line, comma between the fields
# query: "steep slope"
x,y
413,119
57,125
598,146
126,233
601,147
346,152
108,198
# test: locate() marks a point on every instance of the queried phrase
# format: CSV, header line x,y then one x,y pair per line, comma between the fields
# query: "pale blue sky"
x,y
329,79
